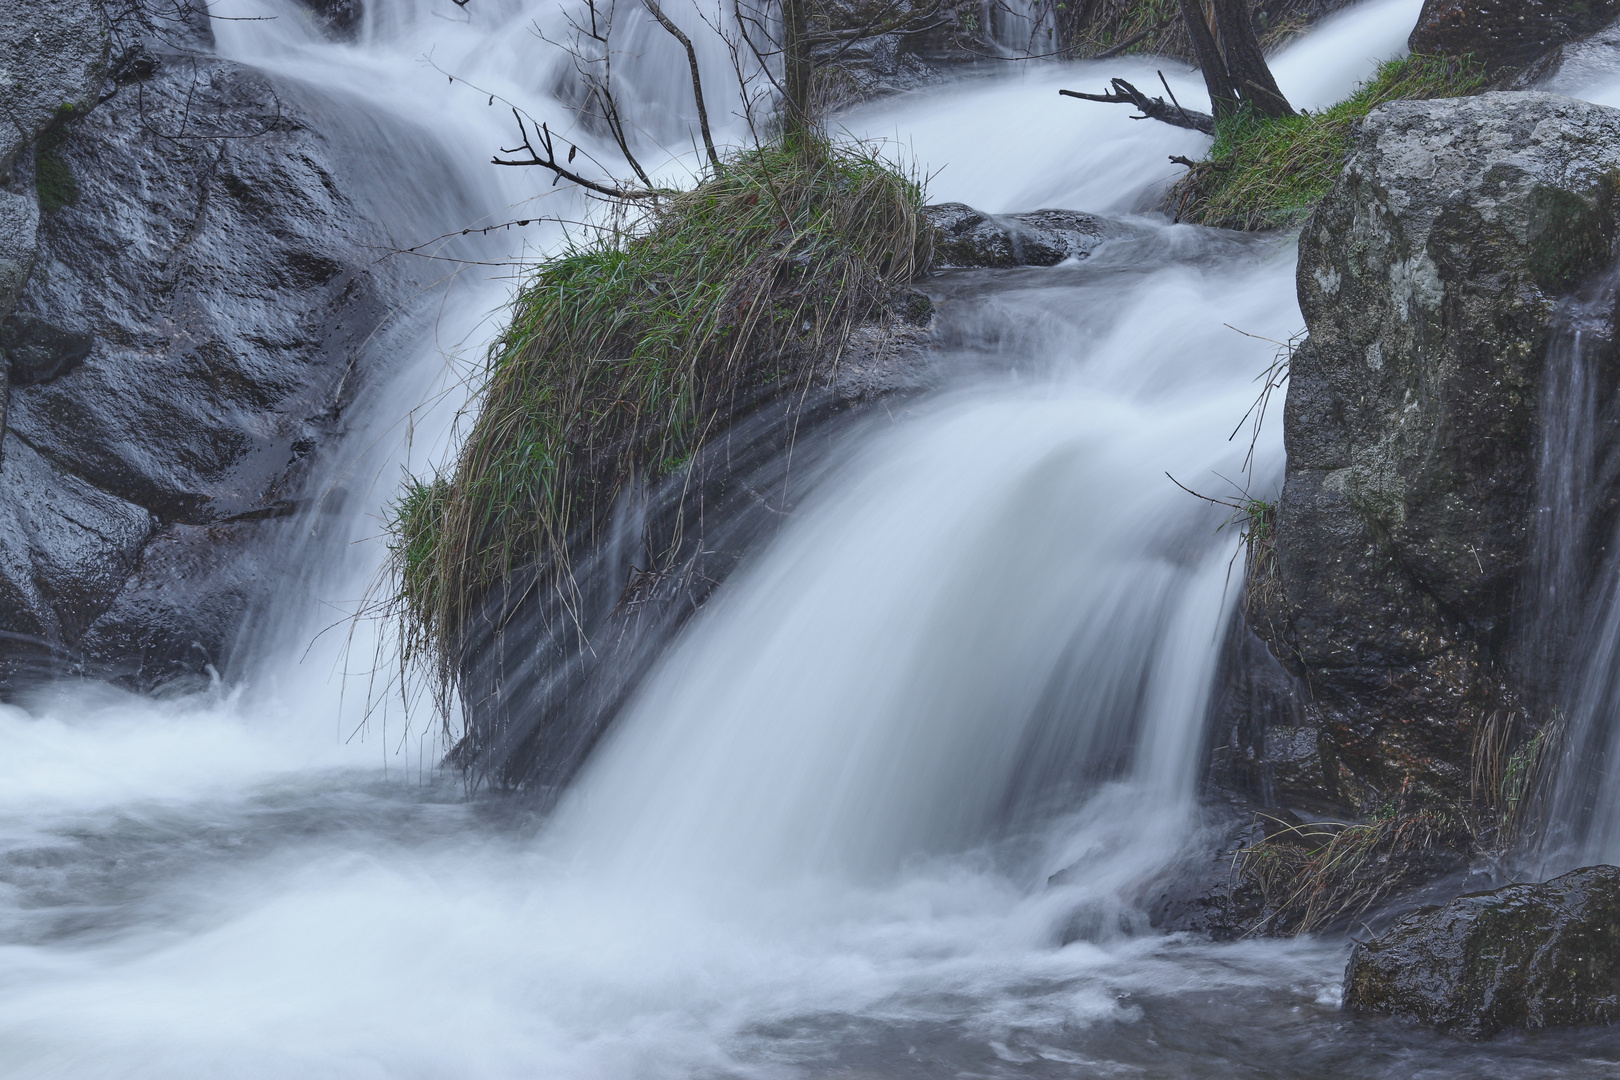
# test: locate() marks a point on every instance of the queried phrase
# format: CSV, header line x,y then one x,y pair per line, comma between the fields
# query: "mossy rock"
x,y
1524,956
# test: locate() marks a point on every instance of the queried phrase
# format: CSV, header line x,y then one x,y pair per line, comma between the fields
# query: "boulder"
x,y
1429,278
965,237
1524,956
179,358
1517,41
51,64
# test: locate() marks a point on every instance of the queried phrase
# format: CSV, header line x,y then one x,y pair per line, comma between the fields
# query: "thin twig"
x,y
697,78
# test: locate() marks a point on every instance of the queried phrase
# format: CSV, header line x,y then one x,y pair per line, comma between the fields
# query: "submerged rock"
x,y
965,237
1429,278
1524,956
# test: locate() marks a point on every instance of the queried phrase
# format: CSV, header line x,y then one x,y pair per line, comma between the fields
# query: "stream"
x,y
890,804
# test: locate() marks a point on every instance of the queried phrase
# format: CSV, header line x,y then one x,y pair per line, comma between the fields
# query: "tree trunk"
x,y
1246,69
796,69
1223,97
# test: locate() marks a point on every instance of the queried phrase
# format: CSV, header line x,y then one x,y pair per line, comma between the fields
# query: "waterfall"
x,y
887,805
1574,640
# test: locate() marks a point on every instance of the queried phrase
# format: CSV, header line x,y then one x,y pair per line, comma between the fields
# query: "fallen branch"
x,y
1152,108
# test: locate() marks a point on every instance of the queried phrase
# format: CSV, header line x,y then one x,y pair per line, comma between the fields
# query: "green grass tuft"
x,y
1268,174
624,354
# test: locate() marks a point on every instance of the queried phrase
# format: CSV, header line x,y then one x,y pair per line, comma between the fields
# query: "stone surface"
x,y
932,45
338,19
1516,40
180,355
1429,279
965,237
51,60
1524,956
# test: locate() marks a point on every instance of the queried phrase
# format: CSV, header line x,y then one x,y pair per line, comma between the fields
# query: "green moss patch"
x,y
53,177
626,353
1267,174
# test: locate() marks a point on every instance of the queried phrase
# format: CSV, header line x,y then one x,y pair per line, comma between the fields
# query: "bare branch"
x,y
560,169
1124,93
697,78
1135,39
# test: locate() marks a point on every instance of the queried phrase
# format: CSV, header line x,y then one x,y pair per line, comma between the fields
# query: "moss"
x,y
624,354
53,177
1268,173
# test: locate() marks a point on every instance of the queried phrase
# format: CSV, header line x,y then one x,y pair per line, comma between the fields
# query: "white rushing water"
x,y
819,840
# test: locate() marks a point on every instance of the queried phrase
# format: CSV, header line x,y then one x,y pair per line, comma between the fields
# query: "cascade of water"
x,y
818,842
1574,641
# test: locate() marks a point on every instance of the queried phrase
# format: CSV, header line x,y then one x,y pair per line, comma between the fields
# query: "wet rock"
x,y
1524,956
929,45
1429,279
338,19
1516,40
965,237
51,61
180,354
66,549
51,64
37,352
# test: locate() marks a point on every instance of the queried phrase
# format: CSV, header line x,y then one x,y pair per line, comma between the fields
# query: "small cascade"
x,y
887,805
1573,644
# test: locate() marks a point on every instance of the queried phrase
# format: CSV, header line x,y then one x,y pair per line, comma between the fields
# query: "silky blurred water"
x,y
819,841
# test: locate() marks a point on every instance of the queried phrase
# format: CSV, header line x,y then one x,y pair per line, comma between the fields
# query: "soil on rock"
x,y
1524,956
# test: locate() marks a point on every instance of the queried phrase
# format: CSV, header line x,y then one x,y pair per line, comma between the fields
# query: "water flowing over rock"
x,y
1524,956
202,288
1429,279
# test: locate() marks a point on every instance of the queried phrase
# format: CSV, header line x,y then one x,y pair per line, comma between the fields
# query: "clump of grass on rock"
x,y
1268,173
626,353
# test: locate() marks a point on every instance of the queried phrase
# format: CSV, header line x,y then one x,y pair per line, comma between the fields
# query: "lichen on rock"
x,y
1429,279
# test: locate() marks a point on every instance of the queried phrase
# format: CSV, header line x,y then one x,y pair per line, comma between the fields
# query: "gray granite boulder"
x,y
1429,278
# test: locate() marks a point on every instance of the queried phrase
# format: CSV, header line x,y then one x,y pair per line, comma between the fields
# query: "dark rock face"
x,y
183,346
1525,956
927,46
1516,40
1429,279
339,19
51,64
965,237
